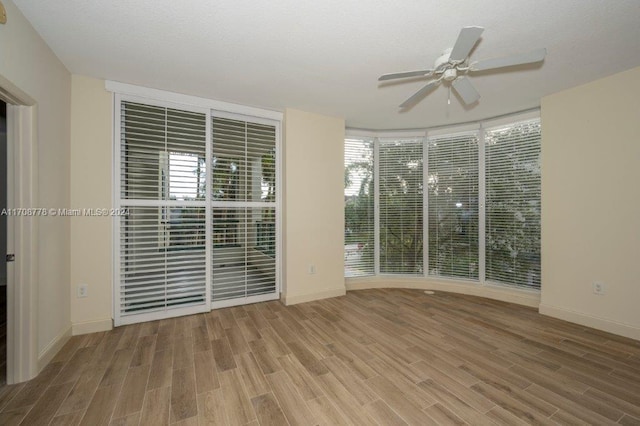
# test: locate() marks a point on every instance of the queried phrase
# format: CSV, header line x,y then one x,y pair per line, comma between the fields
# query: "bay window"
x,y
459,203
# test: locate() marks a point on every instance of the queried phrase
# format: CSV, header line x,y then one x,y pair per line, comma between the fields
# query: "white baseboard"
x,y
52,348
519,296
309,297
94,326
603,324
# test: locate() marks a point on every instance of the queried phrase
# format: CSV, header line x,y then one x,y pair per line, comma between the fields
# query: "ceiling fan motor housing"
x,y
450,74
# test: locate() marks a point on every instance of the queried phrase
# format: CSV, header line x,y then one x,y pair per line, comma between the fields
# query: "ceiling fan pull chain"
x,y
449,98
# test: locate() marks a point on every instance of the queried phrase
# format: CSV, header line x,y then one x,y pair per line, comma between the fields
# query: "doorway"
x,y
3,243
18,187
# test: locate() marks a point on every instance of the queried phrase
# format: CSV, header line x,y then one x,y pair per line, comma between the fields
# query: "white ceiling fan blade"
x,y
509,61
420,94
468,38
419,73
465,89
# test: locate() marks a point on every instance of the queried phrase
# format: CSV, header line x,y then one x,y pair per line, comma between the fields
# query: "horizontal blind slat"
x,y
453,205
162,264
513,204
400,165
359,207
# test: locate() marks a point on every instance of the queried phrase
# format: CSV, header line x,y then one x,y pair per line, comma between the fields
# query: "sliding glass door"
x,y
197,190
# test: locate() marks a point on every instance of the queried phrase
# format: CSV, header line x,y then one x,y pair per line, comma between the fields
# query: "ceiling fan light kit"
x,y
454,65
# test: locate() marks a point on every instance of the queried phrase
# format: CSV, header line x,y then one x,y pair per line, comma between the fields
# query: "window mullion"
x,y
207,210
376,208
481,206
425,206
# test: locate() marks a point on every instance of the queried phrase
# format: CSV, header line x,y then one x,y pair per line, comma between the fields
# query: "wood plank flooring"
x,y
387,357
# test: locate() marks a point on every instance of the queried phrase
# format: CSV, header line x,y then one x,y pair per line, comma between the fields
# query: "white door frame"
x,y
22,234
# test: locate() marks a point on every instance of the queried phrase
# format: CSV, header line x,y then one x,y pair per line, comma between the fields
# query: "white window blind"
x,y
359,232
453,205
400,165
493,236
243,209
513,191
200,188
162,239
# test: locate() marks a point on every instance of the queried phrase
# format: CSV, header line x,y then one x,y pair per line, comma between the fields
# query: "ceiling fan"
x,y
454,65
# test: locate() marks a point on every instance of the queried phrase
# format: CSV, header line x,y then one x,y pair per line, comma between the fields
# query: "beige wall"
x,y
314,206
28,64
91,183
313,222
591,203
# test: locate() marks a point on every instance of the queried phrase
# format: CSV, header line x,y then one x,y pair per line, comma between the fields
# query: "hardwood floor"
x,y
388,357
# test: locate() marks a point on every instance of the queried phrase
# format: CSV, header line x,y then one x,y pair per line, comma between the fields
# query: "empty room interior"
x,y
320,213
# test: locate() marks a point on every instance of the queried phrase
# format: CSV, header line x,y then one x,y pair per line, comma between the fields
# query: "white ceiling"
x,y
325,56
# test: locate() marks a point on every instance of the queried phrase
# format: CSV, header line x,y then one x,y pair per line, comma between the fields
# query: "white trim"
x,y
604,324
53,348
462,129
155,95
518,296
425,207
12,95
208,211
247,204
22,239
93,326
161,314
482,217
125,202
117,191
376,207
279,208
310,297
399,137
160,103
384,134
230,115
244,300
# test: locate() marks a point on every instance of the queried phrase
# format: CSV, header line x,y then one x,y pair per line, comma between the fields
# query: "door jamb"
x,y
22,234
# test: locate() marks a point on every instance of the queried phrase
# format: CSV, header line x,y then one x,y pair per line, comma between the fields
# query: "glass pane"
x,y
513,204
358,208
244,249
261,158
162,153
453,206
162,262
143,151
243,161
401,191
